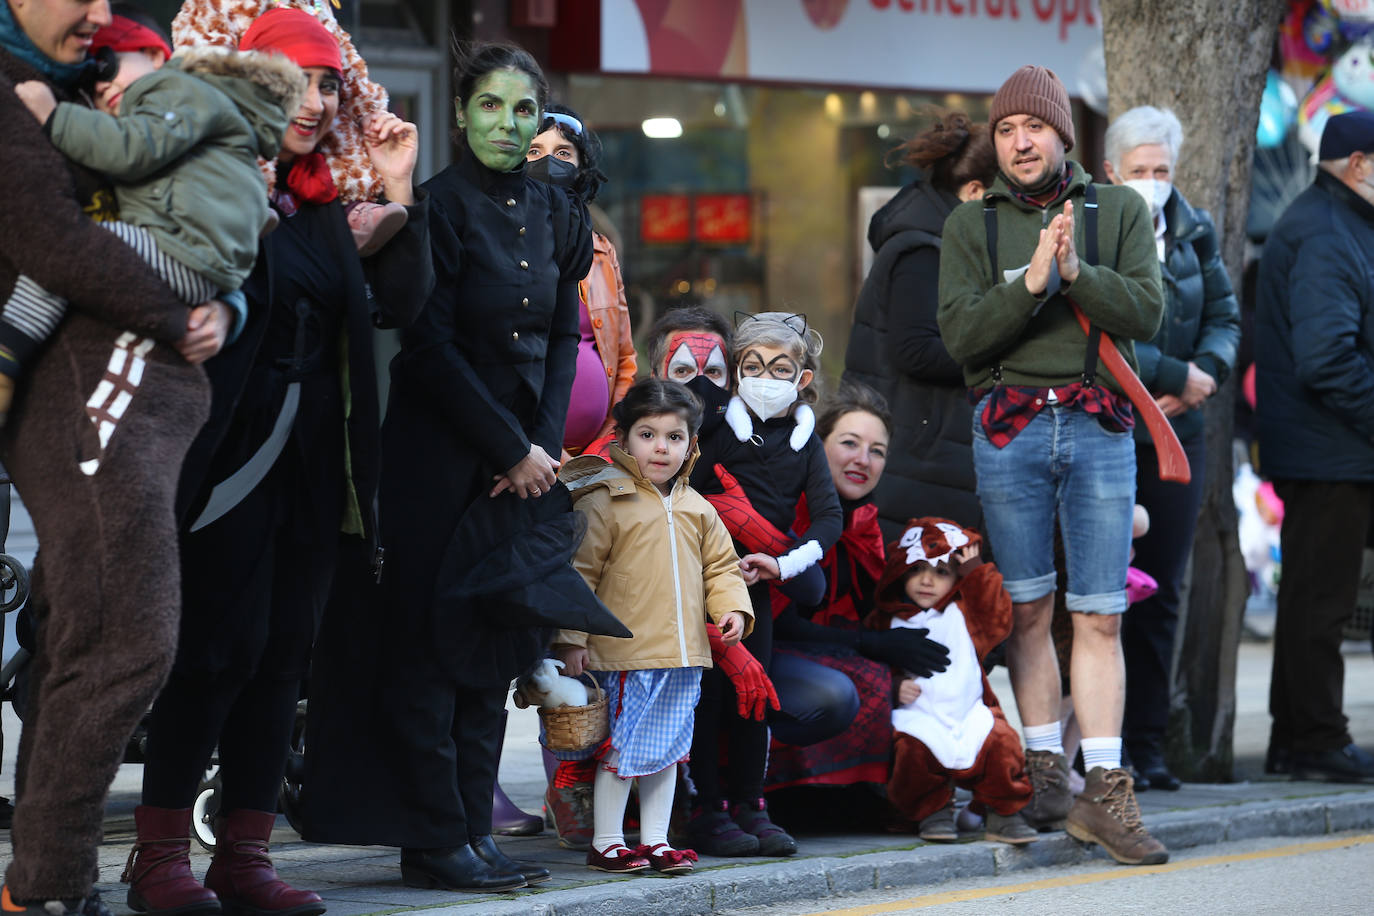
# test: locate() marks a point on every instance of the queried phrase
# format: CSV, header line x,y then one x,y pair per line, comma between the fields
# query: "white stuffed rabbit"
x,y
545,687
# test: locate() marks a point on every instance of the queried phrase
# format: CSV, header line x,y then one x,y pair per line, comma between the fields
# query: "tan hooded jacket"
x,y
664,566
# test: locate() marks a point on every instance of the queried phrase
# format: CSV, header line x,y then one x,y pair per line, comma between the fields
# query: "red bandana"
x,y
295,33
310,179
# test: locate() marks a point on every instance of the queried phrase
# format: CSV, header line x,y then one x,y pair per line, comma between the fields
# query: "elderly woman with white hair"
x,y
1189,357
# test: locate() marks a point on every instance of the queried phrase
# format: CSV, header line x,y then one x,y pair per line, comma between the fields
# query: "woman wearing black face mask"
x,y
565,153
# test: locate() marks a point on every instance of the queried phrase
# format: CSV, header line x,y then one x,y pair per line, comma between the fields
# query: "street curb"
x,y
733,887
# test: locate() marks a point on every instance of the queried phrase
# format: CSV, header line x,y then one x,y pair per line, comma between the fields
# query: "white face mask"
x,y
767,397
1155,192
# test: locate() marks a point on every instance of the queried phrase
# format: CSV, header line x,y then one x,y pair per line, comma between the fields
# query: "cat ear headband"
x,y
796,322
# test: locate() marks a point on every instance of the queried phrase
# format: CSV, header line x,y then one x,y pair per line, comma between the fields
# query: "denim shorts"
x,y
1064,462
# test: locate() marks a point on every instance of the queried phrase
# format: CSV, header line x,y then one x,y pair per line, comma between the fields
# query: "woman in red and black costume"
x,y
851,706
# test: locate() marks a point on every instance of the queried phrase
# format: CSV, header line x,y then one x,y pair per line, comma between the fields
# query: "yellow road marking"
x,y
1115,874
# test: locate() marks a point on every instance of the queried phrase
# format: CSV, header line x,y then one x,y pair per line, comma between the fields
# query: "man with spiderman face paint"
x,y
690,346
696,353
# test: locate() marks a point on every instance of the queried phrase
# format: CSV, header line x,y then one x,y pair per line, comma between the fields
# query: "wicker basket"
x,y
577,728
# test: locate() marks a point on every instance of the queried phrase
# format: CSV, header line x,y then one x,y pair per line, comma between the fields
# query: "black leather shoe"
x,y
489,852
455,868
1346,764
1278,761
1157,776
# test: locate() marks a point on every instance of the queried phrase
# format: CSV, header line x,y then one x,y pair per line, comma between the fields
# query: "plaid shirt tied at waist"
x,y
1012,407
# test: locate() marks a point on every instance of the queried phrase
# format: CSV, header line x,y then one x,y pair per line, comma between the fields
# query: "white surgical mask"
x,y
767,397
1155,192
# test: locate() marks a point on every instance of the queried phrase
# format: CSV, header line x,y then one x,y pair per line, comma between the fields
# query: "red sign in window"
x,y
665,218
722,218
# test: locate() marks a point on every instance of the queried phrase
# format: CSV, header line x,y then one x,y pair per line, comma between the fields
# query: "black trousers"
x,y
718,722
1323,547
444,743
817,702
1149,627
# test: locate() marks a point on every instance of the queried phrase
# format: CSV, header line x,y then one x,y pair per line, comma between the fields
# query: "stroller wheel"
x,y
289,800
14,584
205,809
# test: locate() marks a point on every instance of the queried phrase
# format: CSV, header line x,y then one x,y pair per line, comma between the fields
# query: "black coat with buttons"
x,y
409,679
483,373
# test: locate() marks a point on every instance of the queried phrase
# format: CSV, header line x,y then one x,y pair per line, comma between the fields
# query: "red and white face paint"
x,y
694,353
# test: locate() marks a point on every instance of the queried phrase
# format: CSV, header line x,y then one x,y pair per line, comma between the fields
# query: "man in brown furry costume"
x,y
111,385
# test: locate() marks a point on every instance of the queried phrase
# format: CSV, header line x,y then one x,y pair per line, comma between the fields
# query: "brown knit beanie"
x,y
1035,91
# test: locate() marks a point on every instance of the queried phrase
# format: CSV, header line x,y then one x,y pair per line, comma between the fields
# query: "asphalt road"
x,y
1333,876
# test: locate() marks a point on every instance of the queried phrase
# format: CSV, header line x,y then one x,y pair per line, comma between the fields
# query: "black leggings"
x,y
250,721
718,723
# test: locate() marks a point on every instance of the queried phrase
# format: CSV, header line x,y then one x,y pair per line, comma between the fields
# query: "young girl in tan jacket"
x,y
661,559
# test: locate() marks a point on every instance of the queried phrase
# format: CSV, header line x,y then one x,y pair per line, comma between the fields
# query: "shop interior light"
x,y
662,128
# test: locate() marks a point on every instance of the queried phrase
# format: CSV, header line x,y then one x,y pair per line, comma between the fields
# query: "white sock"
x,y
1044,737
656,805
1101,752
609,796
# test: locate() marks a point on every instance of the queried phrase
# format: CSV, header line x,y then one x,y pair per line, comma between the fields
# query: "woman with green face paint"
x,y
472,437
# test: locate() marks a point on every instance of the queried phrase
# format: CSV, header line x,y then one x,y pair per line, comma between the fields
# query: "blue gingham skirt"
x,y
652,714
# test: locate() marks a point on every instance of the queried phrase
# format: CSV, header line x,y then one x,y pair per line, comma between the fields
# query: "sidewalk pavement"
x,y
367,880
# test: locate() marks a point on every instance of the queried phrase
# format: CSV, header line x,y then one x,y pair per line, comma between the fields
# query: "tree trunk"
x,y
1206,60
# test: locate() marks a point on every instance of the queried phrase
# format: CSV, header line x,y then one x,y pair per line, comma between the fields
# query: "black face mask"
x,y
552,170
715,398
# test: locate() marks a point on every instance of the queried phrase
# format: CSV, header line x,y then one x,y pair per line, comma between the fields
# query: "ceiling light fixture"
x,y
662,128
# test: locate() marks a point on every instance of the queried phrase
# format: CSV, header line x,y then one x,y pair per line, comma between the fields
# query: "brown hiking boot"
x,y
1051,797
939,827
1009,828
1107,814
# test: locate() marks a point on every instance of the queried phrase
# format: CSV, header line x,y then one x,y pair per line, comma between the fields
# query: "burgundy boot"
x,y
159,868
241,872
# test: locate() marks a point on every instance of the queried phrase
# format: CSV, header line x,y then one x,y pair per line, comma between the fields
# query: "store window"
x,y
761,202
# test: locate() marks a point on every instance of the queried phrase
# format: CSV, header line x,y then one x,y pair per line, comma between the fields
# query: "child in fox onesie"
x,y
949,728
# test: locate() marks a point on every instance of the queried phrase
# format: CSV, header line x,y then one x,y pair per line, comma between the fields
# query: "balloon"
x,y
1278,107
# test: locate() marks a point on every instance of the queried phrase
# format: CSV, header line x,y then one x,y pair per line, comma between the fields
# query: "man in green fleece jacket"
x,y
1052,433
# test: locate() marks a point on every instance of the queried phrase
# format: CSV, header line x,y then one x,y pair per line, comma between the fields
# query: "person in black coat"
x,y
1182,366
895,346
288,460
470,511
1314,345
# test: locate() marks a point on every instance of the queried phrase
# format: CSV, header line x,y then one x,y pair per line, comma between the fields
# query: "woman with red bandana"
x,y
288,461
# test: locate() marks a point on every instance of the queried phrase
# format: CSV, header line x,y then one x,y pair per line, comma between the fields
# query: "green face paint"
x,y
501,119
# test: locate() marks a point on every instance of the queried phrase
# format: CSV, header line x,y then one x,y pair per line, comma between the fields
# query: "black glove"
x,y
907,648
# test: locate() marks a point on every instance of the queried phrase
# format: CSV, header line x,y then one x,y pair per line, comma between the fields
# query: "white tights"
x,y
655,807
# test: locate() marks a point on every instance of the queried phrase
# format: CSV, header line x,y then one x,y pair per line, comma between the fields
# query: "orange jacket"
x,y
603,292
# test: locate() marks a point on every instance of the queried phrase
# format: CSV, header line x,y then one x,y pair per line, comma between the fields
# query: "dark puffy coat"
x,y
1314,338
895,348
1201,318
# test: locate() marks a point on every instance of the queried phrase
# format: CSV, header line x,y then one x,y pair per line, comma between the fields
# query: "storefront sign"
x,y
958,45
665,218
721,219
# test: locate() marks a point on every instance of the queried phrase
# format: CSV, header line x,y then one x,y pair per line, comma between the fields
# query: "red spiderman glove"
x,y
752,686
745,525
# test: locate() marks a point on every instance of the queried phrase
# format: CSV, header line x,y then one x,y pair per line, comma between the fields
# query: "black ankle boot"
x,y
455,868
489,852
